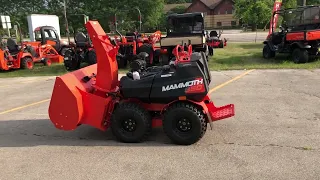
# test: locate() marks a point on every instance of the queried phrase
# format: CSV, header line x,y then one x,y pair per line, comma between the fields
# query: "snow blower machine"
x,y
173,96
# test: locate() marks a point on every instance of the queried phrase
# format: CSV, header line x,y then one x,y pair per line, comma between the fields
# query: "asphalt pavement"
x,y
274,135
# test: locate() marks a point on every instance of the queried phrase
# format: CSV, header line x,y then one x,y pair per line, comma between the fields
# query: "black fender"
x,y
299,45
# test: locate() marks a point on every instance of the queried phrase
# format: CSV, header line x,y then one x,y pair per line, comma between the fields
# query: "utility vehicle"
x,y
299,34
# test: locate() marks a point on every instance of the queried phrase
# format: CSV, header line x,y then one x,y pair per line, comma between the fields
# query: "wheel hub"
x,y
129,125
184,125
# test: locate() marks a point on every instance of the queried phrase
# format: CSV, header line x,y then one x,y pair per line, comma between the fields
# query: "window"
x,y
226,11
233,23
53,34
219,24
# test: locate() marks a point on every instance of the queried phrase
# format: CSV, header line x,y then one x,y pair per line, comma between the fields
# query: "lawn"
x,y
249,56
233,57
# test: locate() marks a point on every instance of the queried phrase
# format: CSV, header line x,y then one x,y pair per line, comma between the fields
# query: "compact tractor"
x,y
47,35
299,34
173,96
183,27
13,56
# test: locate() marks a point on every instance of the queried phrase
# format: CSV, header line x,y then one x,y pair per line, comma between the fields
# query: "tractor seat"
x,y
12,46
81,39
213,34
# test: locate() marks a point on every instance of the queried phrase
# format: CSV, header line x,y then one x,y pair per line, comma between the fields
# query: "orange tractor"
x,y
13,56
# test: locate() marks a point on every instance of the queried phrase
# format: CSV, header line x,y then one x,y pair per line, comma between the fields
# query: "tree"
x,y
254,12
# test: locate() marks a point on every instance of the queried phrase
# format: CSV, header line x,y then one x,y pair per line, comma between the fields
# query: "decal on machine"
x,y
181,85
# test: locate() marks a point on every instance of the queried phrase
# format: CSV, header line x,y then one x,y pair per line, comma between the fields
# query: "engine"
x,y
164,84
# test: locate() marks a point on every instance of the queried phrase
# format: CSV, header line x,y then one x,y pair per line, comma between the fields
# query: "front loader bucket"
x,y
3,62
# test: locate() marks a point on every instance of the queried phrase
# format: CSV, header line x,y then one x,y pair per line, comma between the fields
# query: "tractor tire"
x,y
267,52
27,63
71,63
147,48
91,57
184,123
130,123
300,55
122,62
47,62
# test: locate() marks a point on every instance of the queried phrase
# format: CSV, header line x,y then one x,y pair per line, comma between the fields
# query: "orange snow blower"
x,y
173,96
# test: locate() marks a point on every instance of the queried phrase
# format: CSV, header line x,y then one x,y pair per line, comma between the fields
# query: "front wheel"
x,y
130,123
184,123
267,52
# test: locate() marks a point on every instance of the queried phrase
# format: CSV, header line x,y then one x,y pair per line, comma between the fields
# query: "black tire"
x,y
210,51
184,134
300,55
91,57
267,52
27,63
122,62
71,63
47,62
140,119
147,48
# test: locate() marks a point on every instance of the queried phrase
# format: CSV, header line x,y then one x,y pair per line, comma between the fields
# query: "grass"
x,y
39,70
236,56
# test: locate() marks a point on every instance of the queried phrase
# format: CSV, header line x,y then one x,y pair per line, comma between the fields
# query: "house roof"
x,y
168,7
212,3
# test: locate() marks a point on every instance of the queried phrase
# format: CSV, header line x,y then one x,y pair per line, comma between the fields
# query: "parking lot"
x,y
275,134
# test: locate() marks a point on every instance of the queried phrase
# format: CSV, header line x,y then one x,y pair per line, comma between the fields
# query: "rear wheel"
x,y
27,63
267,52
300,55
184,123
130,123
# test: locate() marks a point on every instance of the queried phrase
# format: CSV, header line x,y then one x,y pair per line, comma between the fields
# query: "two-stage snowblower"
x,y
173,96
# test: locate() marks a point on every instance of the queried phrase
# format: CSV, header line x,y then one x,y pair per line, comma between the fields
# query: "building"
x,y
218,13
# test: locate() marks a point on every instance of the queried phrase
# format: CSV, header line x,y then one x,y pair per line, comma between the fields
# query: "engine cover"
x,y
164,85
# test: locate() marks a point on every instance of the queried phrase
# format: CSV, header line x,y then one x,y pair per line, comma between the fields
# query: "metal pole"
x,y
66,20
139,17
8,30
